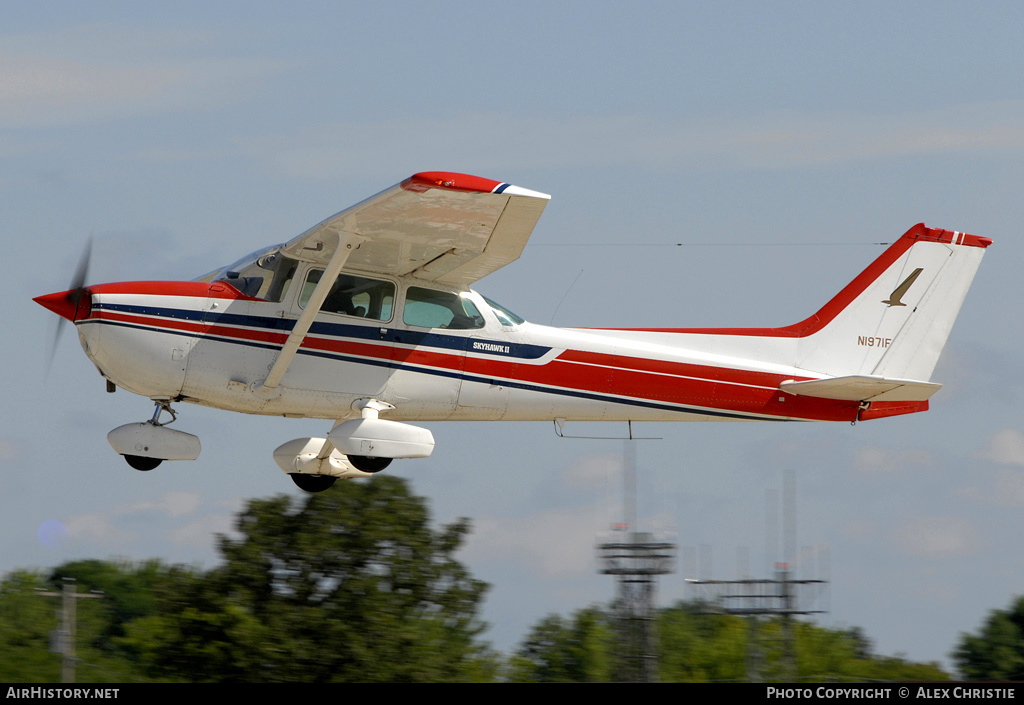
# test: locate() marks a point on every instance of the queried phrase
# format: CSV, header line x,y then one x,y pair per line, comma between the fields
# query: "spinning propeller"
x,y
73,304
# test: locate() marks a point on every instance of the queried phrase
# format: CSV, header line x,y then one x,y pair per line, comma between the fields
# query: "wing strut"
x,y
347,243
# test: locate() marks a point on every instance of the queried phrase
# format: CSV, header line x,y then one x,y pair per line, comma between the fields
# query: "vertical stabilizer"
x,y
893,319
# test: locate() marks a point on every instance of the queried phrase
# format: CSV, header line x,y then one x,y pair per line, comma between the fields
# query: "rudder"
x,y
893,320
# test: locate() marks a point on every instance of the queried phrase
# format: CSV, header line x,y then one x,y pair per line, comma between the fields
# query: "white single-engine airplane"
x,y
370,314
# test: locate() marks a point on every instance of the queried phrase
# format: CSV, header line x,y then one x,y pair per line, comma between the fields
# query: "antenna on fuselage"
x,y
552,321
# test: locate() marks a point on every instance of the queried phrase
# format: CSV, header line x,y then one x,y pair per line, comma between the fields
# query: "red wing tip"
x,y
450,180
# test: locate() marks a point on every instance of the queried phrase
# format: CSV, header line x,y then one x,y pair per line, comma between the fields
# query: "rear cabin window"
x,y
353,295
428,308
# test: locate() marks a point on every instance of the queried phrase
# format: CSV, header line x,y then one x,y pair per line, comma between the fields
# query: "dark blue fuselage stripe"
x,y
592,396
339,330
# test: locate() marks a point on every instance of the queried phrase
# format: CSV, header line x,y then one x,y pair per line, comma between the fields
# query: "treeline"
x,y
694,645
345,585
354,584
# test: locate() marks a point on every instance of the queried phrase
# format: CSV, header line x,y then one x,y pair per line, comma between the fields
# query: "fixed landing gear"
x,y
312,483
143,464
368,464
370,443
146,445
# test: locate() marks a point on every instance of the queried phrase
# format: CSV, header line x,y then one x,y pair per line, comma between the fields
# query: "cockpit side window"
x,y
266,274
353,295
440,309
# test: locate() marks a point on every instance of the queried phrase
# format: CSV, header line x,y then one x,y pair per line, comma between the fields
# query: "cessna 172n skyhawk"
x,y
369,314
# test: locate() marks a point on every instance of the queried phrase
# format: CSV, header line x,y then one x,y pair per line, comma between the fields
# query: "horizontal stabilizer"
x,y
862,388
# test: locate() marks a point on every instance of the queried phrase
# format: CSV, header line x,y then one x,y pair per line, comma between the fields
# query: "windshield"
x,y
264,274
505,317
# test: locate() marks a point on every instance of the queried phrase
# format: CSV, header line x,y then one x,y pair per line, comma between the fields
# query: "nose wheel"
x,y
146,445
140,463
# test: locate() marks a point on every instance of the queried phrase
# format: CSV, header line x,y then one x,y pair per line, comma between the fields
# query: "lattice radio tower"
x,y
781,597
635,559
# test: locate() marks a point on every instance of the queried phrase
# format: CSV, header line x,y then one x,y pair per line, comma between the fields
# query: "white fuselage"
x,y
206,344
437,353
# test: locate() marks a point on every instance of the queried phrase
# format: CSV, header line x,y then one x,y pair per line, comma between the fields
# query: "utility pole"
x,y
66,635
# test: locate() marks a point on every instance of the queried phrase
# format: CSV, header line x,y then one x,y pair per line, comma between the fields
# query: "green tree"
x,y
128,589
28,617
997,651
352,584
566,650
196,632
25,624
696,646
348,585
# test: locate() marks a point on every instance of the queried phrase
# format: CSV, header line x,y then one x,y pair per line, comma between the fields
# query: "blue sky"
x,y
777,141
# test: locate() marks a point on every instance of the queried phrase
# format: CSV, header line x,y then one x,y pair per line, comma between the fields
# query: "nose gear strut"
x,y
161,406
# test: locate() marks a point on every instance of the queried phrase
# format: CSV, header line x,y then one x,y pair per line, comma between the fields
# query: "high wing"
x,y
438,226
447,228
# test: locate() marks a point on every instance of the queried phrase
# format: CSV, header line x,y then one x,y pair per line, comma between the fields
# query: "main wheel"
x,y
140,463
368,464
312,483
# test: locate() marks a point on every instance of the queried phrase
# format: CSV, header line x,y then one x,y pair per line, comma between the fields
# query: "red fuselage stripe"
x,y
575,370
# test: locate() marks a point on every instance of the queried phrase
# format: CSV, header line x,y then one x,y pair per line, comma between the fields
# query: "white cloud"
x,y
102,72
8,451
178,504
764,141
107,526
859,528
555,544
1005,447
96,526
200,531
936,537
172,504
875,459
33,88
1007,490
940,594
594,471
